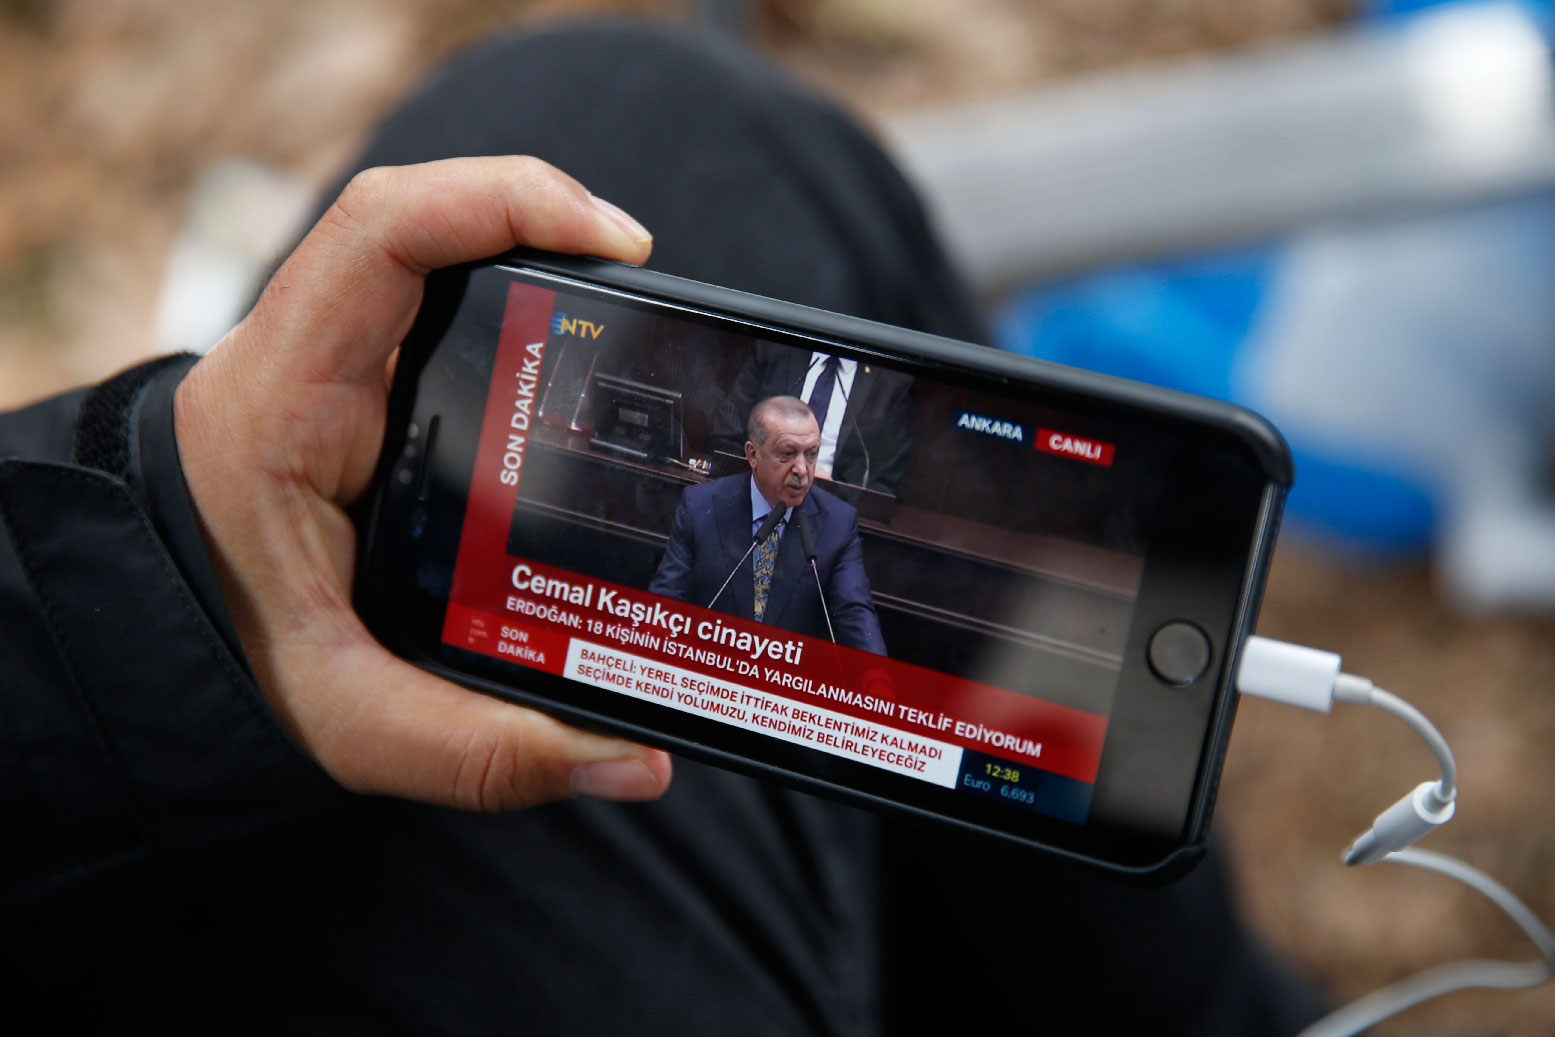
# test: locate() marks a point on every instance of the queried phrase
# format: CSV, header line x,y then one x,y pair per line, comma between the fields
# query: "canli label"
x,y
1077,448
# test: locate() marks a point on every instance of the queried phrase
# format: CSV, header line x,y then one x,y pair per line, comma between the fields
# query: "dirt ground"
x,y
110,109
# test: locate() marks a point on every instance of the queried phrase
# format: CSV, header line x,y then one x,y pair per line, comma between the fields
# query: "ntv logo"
x,y
561,324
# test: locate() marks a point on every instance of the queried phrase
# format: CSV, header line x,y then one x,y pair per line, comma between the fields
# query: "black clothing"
x,y
173,863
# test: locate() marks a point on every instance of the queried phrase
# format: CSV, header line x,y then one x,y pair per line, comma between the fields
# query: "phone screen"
x,y
961,613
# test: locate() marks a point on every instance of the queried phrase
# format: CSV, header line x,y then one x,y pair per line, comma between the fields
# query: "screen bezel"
x,y
1215,520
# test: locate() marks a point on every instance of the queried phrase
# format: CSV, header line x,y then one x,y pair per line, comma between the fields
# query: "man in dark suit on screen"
x,y
864,412
717,521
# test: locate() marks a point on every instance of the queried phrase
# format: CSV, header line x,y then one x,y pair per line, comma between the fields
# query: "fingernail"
x,y
621,219
615,779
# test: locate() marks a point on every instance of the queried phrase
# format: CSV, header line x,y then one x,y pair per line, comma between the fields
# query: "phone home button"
x,y
1179,653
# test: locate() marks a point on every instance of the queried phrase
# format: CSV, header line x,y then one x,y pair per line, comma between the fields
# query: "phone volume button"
x,y
424,471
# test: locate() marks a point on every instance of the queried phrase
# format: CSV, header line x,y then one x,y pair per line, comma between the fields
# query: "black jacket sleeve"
x,y
130,727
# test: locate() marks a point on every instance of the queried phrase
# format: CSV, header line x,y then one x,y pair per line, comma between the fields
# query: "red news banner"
x,y
867,708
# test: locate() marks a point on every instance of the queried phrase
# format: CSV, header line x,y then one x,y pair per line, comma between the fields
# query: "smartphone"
x,y
1005,595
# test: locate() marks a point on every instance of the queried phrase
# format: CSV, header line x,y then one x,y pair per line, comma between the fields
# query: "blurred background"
x,y
1338,212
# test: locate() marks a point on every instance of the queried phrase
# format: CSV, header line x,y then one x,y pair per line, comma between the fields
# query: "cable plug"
x,y
1305,677
1290,674
1401,824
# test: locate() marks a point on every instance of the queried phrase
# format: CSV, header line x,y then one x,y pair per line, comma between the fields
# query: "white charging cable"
x,y
1311,679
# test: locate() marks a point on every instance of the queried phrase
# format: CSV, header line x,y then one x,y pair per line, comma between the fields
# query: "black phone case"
x,y
1262,441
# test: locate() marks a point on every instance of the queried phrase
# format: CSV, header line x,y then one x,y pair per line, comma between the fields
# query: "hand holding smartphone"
x,y
911,573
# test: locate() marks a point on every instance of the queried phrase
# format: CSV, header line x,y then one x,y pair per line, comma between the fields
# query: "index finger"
x,y
351,289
